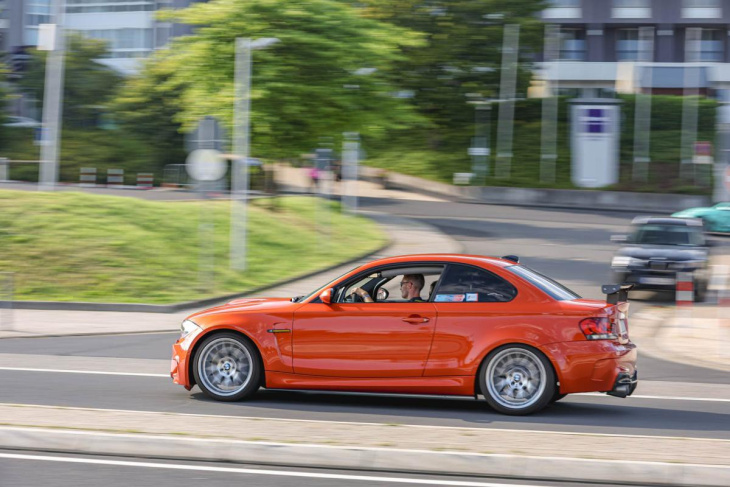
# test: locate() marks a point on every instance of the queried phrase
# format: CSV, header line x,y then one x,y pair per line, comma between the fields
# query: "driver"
x,y
410,287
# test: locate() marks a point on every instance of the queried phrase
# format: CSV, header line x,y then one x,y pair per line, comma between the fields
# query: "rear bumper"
x,y
593,366
625,385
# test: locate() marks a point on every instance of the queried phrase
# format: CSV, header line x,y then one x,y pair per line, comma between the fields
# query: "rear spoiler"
x,y
616,293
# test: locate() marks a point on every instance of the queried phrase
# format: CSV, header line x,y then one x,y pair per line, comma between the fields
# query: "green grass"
x,y
82,247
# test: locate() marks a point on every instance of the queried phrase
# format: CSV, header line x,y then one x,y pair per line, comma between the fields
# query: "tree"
x,y
88,85
463,50
330,72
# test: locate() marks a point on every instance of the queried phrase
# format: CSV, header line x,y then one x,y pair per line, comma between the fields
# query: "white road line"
x,y
167,376
355,423
251,471
95,372
661,398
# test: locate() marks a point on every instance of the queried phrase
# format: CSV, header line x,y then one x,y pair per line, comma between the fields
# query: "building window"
x,y
712,46
124,43
702,9
630,46
562,9
631,9
572,45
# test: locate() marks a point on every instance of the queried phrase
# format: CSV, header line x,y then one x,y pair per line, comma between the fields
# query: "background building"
x,y
129,26
634,46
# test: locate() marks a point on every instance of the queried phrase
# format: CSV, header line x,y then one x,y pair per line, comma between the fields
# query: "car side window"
x,y
463,284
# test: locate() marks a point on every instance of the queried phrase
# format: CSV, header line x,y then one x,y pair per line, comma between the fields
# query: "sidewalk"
x,y
406,236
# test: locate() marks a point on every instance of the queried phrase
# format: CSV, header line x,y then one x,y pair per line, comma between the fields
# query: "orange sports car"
x,y
418,324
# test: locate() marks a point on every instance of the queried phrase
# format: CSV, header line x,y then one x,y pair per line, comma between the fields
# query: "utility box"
x,y
595,141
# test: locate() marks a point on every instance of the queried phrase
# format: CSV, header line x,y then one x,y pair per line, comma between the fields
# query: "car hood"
x,y
668,252
252,305
692,213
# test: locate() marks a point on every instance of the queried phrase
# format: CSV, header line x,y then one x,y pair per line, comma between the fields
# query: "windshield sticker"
x,y
472,297
449,298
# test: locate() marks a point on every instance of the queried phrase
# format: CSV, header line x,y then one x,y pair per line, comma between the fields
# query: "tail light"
x,y
598,328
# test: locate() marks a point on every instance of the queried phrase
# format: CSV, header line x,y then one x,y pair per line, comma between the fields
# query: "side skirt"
x,y
447,386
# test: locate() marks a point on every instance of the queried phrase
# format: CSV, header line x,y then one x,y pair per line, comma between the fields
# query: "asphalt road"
x,y
20,469
571,246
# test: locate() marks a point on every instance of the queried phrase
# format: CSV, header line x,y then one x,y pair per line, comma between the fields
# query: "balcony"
x,y
702,13
631,12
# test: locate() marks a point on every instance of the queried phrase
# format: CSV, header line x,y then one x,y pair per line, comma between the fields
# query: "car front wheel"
x,y
517,380
227,367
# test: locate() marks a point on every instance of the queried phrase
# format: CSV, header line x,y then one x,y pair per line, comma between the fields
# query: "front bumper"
x,y
179,367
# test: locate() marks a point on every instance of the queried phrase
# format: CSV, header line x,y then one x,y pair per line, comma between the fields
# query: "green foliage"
x,y
97,148
411,153
463,53
308,85
88,84
82,247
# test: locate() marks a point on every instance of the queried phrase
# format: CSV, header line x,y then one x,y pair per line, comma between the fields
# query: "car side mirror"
x,y
382,294
326,296
619,238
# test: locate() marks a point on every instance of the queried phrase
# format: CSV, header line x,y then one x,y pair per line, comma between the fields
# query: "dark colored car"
x,y
657,249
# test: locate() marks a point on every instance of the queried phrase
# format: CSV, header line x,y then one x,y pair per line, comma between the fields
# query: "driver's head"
x,y
411,285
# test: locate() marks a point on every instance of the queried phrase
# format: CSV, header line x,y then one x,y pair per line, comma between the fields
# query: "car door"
x,y
472,304
363,340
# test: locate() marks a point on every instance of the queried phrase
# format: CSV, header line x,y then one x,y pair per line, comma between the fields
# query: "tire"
x,y
557,396
227,367
512,371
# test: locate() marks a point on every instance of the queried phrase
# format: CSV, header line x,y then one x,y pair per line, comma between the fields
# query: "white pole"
x,y
53,103
642,114
549,136
508,84
350,155
241,137
690,104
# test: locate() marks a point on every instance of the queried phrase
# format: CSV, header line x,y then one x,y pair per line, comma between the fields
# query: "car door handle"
x,y
416,320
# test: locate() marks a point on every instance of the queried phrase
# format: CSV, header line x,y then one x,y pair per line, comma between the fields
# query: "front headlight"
x,y
622,261
187,327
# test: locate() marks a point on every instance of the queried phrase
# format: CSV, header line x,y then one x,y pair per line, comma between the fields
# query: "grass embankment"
x,y
82,247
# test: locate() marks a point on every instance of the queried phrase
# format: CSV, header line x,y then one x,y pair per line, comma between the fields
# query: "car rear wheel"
x,y
227,367
517,380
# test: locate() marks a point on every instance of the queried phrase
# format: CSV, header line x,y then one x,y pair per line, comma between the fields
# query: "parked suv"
x,y
657,249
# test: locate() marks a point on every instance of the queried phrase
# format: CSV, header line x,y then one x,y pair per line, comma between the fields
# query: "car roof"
x,y
478,260
651,220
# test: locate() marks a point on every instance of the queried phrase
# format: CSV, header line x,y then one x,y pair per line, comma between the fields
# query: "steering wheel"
x,y
353,298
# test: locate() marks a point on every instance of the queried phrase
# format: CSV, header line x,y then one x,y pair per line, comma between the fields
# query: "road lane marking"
x,y
167,376
252,471
350,423
94,372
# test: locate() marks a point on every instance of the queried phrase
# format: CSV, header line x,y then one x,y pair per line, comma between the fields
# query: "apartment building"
x,y
129,26
662,46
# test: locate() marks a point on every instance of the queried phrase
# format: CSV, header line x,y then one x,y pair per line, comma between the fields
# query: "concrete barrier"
x,y
557,198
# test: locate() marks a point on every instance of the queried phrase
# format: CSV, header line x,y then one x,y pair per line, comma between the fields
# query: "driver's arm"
x,y
363,294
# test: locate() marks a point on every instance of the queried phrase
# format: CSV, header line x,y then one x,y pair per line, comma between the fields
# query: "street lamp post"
x,y
241,142
52,97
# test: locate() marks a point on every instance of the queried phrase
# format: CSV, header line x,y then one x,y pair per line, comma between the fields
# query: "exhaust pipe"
x,y
620,391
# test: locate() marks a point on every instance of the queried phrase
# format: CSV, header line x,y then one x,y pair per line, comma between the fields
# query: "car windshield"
x,y
668,235
299,299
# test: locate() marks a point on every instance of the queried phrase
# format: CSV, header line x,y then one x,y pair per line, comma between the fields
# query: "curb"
x,y
373,459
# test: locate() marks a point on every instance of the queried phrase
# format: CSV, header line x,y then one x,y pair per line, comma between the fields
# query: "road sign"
x,y
206,165
209,134
703,153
